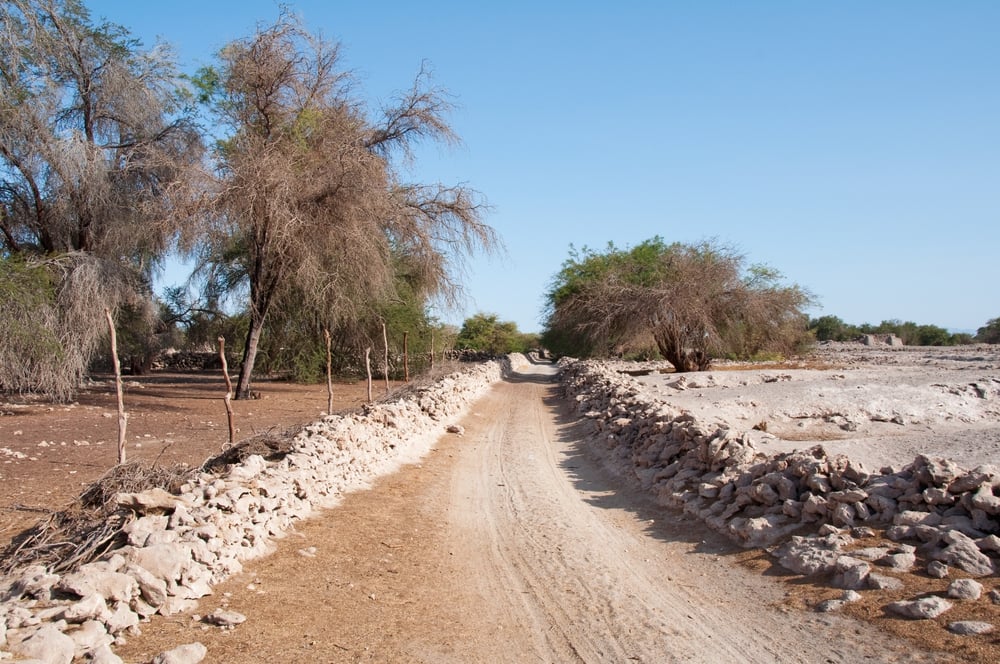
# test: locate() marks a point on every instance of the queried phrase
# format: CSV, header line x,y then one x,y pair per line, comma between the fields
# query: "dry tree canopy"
x,y
312,213
99,163
692,301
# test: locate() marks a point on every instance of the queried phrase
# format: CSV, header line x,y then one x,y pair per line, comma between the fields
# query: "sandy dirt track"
x,y
510,544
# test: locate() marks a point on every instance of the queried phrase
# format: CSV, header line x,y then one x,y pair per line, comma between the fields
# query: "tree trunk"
x,y
249,356
671,346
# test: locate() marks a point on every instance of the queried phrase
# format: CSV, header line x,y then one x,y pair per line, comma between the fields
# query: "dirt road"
x,y
510,544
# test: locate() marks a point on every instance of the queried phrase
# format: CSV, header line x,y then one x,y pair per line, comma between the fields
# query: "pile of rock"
x,y
716,473
181,545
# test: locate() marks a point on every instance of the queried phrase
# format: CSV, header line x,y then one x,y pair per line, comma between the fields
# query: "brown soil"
x,y
511,543
173,418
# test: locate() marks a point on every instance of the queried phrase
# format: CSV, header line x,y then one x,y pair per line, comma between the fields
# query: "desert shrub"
x,y
53,309
989,333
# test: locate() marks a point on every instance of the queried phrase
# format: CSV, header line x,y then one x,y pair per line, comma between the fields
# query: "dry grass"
x,y
92,525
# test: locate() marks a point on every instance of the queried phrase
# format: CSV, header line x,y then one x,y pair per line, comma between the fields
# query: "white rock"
x,y
903,562
969,627
911,518
884,582
138,531
152,501
807,556
937,569
963,553
164,561
91,607
852,573
224,618
91,636
191,653
92,579
152,589
121,619
923,608
830,605
104,655
965,589
35,582
48,645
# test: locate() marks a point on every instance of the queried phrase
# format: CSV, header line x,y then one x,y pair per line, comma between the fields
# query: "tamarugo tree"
x,y
99,164
311,211
694,302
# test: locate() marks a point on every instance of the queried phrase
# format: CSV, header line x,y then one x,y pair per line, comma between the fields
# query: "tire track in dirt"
x,y
510,544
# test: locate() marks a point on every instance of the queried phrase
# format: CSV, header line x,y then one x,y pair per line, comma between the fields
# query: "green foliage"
x,y
690,301
832,328
100,166
487,333
31,355
989,333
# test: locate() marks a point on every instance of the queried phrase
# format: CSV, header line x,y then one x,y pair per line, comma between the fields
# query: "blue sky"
x,y
854,146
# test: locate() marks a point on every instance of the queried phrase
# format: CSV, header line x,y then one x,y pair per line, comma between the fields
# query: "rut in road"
x,y
512,544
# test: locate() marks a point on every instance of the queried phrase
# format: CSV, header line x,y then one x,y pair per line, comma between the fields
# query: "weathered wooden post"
x,y
406,357
229,391
122,415
368,370
329,374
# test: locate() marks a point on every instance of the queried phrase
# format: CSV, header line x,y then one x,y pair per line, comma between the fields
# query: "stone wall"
x,y
717,474
181,545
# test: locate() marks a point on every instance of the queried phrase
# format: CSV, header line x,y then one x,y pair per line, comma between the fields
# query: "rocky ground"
x,y
614,517
864,469
881,406
50,452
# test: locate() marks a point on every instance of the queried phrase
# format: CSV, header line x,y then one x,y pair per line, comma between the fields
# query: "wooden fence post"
x,y
122,415
385,345
368,370
406,357
229,391
329,374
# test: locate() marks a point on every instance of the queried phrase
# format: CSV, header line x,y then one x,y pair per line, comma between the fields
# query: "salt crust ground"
x,y
881,406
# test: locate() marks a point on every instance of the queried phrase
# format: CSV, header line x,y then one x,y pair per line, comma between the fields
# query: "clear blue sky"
x,y
854,146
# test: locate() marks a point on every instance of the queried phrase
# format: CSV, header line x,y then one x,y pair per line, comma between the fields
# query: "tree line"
x,y
267,168
832,328
288,192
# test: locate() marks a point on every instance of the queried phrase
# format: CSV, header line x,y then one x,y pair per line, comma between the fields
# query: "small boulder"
x,y
224,618
153,501
47,645
969,627
937,569
903,562
191,653
805,555
965,589
923,608
961,552
884,582
852,573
